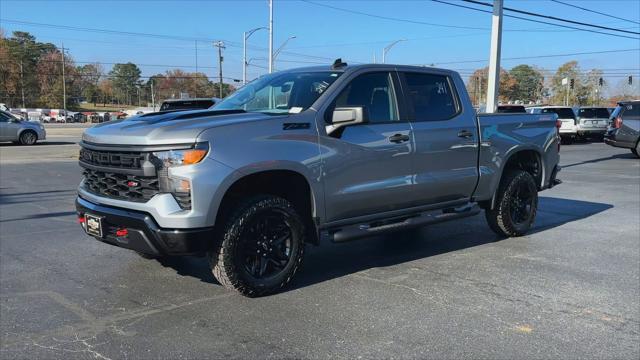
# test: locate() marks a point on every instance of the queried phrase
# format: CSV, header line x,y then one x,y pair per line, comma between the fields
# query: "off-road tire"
x,y
28,137
500,217
226,261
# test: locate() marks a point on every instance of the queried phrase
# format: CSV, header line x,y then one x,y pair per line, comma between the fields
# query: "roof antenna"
x,y
338,64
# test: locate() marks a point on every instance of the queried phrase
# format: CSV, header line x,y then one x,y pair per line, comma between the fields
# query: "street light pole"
x,y
245,37
277,52
494,57
387,48
270,36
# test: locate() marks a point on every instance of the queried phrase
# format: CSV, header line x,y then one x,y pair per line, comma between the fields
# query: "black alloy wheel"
x,y
267,243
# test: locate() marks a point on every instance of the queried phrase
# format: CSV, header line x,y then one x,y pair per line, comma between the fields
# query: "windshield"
x,y
287,92
563,113
594,113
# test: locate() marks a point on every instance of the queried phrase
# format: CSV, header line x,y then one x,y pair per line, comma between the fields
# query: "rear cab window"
x,y
431,96
631,111
593,113
563,113
511,109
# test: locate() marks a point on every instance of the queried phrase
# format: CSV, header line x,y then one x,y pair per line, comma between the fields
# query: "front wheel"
x,y
516,205
28,137
260,247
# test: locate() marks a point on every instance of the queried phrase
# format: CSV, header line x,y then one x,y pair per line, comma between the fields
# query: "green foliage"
x,y
126,79
528,83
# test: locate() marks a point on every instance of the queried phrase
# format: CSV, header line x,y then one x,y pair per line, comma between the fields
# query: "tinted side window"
x,y
631,112
432,97
375,93
4,118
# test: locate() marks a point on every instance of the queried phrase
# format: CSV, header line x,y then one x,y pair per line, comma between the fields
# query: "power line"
x,y
541,56
596,12
536,21
392,18
151,35
554,18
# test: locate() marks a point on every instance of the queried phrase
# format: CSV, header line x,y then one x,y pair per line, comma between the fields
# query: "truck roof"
x,y
349,68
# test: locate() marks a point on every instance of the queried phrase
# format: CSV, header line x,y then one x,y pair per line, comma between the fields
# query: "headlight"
x,y
173,158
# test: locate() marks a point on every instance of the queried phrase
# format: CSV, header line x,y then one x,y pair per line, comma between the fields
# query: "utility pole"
x,y
270,36
22,73
494,57
64,86
220,46
153,98
196,74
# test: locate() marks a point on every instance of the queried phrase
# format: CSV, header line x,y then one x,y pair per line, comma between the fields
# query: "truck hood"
x,y
166,128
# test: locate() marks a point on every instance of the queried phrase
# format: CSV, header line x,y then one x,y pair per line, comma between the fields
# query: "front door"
x,y
367,167
446,159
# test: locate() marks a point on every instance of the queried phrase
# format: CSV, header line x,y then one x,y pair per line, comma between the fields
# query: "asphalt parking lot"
x,y
570,289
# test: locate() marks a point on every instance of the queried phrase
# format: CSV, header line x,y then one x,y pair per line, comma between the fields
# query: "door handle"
x,y
465,134
398,138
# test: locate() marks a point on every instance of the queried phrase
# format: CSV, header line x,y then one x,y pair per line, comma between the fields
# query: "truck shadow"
x,y
330,260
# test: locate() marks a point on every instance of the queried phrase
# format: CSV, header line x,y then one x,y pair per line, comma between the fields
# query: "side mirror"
x,y
346,116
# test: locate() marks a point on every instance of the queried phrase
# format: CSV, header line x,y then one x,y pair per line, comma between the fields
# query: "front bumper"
x,y
144,235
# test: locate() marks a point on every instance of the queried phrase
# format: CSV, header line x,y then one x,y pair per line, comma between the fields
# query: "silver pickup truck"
x,y
329,153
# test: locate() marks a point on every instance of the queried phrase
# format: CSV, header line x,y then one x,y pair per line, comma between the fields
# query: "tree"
x,y
87,78
125,78
19,57
477,86
593,90
579,95
49,75
527,83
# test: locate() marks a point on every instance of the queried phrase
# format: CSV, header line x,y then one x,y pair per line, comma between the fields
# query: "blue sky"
x,y
323,34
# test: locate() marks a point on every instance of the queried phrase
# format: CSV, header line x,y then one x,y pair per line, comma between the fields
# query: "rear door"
x,y
446,159
367,167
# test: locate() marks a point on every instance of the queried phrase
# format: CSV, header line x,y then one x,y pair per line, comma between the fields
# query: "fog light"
x,y
180,185
122,232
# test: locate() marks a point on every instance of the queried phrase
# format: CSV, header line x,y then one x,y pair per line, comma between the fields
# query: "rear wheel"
x,y
260,248
636,151
28,137
516,205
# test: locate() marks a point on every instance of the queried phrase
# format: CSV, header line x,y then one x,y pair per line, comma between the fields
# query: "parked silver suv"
x,y
14,129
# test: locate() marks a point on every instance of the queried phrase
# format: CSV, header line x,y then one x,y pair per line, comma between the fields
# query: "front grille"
x,y
121,186
124,160
127,175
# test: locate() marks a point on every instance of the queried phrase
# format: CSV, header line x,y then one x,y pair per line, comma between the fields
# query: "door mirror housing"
x,y
346,116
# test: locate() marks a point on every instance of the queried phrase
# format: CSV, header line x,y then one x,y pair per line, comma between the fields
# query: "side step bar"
x,y
357,231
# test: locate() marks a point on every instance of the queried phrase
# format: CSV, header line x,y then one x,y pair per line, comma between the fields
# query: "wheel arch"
x,y
529,159
287,183
22,131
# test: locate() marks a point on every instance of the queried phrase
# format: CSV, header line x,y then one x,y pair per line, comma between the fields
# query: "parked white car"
x,y
569,127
